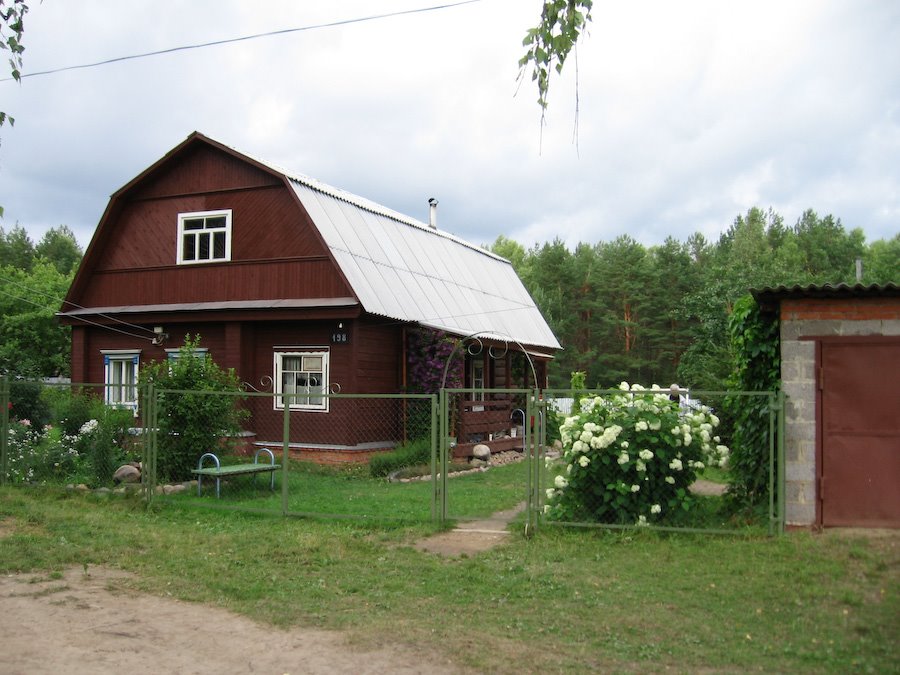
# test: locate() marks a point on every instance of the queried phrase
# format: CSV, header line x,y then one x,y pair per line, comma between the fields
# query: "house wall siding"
x,y
276,253
803,321
368,364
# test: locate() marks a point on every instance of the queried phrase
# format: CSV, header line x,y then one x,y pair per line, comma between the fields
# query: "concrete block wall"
x,y
802,321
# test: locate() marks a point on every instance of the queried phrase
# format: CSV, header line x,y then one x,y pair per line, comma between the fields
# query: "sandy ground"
x,y
88,623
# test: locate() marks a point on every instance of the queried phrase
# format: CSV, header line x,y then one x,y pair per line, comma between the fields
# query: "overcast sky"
x,y
690,112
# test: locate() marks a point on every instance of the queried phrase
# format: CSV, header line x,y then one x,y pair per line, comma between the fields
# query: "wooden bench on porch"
x,y
489,422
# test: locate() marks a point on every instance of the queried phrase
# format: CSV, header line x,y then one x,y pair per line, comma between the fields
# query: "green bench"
x,y
218,471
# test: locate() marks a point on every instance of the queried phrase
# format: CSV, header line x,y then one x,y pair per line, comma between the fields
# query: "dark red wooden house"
x,y
295,284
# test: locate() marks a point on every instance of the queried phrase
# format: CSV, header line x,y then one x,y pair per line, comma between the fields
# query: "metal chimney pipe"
x,y
432,213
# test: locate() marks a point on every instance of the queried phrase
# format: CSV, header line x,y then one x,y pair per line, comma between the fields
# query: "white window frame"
x,y
322,389
116,363
478,374
184,218
175,354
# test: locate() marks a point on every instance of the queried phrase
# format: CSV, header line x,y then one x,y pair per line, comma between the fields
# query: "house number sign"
x,y
340,337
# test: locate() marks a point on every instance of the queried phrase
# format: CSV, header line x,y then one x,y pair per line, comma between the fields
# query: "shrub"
x,y
26,402
198,408
71,408
414,453
630,457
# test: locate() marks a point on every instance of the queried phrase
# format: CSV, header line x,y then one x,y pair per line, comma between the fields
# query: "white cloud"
x,y
689,113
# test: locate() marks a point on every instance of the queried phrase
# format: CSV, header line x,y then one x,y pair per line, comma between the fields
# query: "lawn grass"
x,y
343,491
351,492
562,601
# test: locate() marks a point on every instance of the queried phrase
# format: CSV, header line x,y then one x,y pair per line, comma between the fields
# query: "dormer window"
x,y
204,236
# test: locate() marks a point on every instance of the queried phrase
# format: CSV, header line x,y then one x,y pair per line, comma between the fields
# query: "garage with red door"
x,y
840,367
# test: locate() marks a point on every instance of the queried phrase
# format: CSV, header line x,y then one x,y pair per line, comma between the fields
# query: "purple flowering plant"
x,y
428,351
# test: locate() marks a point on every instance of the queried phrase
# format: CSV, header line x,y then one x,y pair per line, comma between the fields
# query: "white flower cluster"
x,y
590,436
88,427
32,452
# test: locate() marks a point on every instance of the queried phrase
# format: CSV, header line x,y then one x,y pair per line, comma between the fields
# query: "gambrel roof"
x,y
404,269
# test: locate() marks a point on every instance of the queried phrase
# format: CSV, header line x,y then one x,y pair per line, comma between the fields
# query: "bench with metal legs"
x,y
218,471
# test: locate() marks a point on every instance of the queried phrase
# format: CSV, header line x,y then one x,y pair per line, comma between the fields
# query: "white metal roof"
x,y
403,269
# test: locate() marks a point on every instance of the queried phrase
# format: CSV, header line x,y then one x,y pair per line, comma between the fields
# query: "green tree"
x,y
674,276
881,261
60,247
16,249
625,290
32,342
550,281
511,250
829,251
742,259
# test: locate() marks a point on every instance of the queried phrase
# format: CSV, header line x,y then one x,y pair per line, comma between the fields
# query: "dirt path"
x,y
90,623
472,537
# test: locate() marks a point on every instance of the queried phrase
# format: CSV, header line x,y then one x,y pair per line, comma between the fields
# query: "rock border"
x,y
498,459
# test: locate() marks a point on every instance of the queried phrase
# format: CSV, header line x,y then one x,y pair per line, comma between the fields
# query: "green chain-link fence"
x,y
585,458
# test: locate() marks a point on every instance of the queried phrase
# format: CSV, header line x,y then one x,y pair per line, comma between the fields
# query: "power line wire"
x,y
93,323
244,38
60,301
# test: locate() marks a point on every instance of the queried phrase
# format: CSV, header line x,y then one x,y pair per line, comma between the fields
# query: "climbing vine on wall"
x,y
428,351
755,347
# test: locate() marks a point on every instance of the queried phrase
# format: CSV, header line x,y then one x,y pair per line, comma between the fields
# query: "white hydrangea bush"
x,y
630,457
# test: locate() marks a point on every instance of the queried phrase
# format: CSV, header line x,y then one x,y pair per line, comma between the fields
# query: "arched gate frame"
x,y
533,416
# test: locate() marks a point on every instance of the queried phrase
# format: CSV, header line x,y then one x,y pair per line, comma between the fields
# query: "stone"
x,y
481,451
127,473
475,462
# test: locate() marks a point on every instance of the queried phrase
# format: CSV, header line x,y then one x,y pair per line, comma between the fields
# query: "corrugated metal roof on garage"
x,y
403,269
825,291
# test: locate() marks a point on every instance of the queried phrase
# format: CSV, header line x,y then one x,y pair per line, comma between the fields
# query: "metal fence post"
x,y
532,442
435,436
4,429
772,487
149,441
438,478
287,400
542,418
440,484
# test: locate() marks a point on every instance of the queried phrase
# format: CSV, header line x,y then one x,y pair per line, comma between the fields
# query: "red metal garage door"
x,y
859,471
